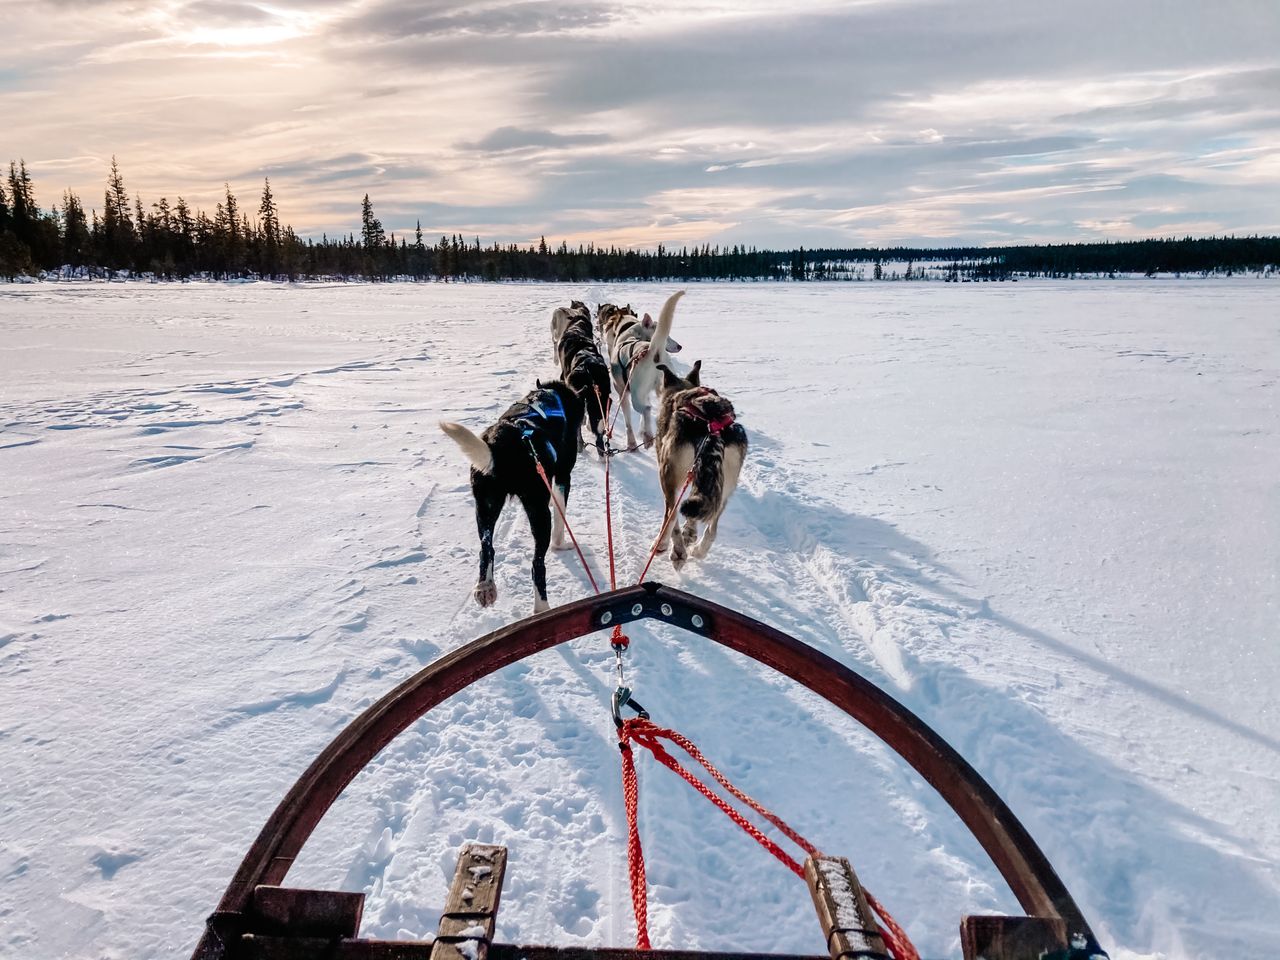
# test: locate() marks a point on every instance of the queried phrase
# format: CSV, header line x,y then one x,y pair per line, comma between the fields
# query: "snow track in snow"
x,y
230,523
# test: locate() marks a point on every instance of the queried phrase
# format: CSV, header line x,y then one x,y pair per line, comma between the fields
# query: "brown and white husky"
x,y
698,430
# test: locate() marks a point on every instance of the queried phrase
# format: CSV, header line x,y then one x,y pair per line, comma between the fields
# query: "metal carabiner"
x,y
622,698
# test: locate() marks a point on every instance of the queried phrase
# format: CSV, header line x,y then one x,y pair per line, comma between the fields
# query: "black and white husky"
x,y
638,348
541,429
697,429
581,365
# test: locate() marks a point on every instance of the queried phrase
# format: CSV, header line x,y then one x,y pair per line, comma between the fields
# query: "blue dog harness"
x,y
541,412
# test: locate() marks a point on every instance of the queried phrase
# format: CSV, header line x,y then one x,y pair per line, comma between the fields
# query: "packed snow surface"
x,y
1045,516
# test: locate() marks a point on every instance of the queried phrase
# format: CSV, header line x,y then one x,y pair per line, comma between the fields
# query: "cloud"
x,y
877,122
223,12
507,139
411,18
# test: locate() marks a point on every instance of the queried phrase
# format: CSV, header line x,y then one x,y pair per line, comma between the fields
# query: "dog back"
x,y
611,318
544,424
563,317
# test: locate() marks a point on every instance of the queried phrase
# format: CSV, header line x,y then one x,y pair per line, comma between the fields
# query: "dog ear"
x,y
647,321
669,379
693,376
538,383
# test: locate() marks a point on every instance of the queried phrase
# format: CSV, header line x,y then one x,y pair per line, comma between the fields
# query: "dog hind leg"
x,y
626,417
672,474
538,509
598,413
732,466
560,491
489,503
646,420
669,488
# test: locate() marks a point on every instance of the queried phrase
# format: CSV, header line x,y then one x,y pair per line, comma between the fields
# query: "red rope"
x,y
618,639
565,520
631,368
649,735
608,502
688,747
666,522
635,855
895,938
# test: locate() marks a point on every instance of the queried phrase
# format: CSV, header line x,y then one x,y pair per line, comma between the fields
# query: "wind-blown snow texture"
x,y
1044,516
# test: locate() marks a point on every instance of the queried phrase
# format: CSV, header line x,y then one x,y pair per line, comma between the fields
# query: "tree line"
x,y
172,241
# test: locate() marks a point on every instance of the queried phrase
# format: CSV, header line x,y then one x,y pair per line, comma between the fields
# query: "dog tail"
x,y
708,482
476,450
663,329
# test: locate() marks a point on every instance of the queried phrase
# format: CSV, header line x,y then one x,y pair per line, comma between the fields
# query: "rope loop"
x,y
649,735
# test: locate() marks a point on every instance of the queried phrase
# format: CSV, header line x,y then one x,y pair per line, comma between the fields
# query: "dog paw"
x,y
648,440
540,605
486,593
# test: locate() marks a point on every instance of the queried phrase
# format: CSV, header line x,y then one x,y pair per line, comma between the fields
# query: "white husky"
x,y
638,347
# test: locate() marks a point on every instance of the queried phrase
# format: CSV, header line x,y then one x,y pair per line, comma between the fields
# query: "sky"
x,y
873,122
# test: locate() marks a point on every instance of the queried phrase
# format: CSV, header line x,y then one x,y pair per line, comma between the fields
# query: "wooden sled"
x,y
258,919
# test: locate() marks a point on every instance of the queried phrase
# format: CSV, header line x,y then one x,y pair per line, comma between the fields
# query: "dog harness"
x,y
714,425
536,421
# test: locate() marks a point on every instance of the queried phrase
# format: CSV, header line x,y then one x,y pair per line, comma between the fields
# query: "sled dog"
x,y
696,429
581,365
541,429
638,347
561,317
608,318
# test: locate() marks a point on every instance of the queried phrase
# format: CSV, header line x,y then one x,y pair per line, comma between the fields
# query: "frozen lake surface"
x,y
1045,516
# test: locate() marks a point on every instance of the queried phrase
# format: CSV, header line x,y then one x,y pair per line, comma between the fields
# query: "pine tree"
x,y
22,206
76,239
270,260
184,239
15,257
371,236
233,239
420,267
117,240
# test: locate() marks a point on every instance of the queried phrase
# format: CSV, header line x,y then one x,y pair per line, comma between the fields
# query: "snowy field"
x,y
1044,515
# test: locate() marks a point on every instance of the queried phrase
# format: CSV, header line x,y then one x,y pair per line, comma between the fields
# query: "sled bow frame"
x,y
257,918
